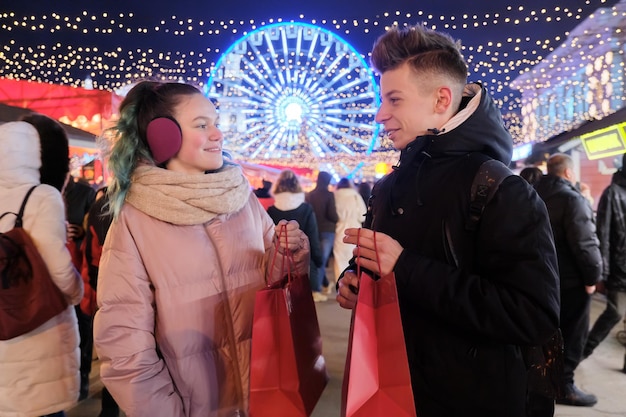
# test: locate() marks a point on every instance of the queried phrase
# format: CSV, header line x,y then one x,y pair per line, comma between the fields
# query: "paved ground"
x,y
599,374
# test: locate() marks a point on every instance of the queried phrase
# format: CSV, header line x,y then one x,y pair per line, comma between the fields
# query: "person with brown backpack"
x,y
39,362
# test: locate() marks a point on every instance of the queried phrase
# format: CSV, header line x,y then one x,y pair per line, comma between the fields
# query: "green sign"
x,y
605,142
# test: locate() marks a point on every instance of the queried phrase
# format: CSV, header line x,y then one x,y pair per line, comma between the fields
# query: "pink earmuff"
x,y
164,138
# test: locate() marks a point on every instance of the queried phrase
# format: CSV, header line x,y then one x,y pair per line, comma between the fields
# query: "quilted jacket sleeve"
x,y
45,221
515,299
603,218
582,239
124,325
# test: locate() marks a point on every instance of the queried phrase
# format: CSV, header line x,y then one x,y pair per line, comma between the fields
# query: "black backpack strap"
x,y
486,182
18,221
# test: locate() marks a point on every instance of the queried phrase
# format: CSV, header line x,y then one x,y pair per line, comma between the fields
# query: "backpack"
x,y
28,296
487,179
545,362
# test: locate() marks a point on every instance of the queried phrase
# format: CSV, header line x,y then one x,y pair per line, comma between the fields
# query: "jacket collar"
x,y
619,178
288,201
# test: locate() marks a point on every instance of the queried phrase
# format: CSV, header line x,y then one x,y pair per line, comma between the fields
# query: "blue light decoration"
x,y
522,151
295,93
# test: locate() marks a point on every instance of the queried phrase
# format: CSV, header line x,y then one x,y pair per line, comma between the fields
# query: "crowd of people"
x,y
173,335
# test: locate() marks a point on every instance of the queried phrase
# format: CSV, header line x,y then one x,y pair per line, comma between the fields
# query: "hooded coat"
x,y
39,371
351,210
323,202
468,299
574,229
291,206
611,222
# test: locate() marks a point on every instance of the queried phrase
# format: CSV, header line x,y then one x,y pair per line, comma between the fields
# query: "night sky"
x,y
551,25
116,43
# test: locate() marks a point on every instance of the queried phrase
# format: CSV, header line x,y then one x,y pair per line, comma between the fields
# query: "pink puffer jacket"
x,y
176,303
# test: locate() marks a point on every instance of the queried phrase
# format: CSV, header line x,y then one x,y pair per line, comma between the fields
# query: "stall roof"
x,y
77,137
542,149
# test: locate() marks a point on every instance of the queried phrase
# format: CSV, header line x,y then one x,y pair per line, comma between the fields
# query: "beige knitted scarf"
x,y
187,199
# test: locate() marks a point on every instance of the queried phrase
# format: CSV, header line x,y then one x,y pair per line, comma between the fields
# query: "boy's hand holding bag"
x,y
377,382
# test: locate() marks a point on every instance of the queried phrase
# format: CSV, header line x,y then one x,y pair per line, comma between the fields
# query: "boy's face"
x,y
408,107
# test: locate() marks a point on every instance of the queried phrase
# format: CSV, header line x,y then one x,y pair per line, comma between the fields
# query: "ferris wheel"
x,y
296,94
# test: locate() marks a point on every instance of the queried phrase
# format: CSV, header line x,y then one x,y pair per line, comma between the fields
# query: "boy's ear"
x,y
443,99
570,175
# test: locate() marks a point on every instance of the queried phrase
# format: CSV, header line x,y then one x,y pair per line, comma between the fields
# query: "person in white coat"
x,y
39,370
351,211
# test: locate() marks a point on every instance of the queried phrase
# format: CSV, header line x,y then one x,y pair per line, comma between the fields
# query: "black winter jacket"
x,y
611,219
78,199
305,217
323,202
468,300
574,230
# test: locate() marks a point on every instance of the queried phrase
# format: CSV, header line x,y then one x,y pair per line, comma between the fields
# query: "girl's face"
x,y
201,148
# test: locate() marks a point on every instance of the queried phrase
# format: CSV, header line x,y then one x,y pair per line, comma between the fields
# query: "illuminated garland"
x,y
186,49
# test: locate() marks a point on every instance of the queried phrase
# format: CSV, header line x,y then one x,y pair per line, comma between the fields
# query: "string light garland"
x,y
581,81
112,50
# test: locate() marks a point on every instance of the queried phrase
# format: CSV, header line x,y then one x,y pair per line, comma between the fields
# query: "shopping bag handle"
x,y
287,260
358,253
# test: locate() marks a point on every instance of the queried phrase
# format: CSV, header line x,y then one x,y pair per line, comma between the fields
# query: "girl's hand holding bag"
x,y
287,369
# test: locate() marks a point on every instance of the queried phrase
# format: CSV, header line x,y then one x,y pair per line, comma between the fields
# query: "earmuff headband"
x,y
164,137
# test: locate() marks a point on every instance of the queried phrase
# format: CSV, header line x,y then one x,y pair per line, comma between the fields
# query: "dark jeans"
x,y
327,240
614,312
575,305
85,328
313,277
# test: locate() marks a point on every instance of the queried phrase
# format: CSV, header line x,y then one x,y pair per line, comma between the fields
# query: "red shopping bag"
x,y
376,380
287,369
